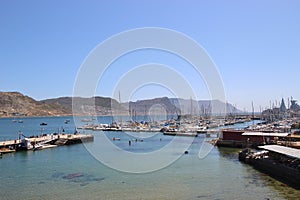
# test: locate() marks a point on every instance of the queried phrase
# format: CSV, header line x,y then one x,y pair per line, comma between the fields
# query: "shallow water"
x,y
71,172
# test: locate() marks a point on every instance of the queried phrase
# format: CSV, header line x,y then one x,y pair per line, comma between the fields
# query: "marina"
x,y
149,100
76,173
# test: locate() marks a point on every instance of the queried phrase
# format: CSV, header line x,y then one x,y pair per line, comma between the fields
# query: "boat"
x,y
112,129
39,146
282,163
86,120
114,138
43,124
60,142
178,133
20,121
67,121
25,145
87,127
6,150
202,131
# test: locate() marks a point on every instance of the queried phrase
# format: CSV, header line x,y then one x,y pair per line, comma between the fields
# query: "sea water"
x,y
71,172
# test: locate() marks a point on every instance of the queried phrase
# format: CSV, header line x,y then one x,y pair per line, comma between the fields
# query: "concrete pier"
x,y
57,139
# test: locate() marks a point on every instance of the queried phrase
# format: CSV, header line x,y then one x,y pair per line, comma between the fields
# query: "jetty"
x,y
43,142
282,163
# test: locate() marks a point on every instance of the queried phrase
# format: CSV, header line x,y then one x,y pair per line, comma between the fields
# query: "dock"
x,y
43,142
282,163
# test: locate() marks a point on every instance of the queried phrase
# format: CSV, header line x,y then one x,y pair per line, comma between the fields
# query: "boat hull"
x,y
181,134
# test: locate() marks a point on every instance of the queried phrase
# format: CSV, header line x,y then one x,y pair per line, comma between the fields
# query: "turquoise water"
x,y
71,172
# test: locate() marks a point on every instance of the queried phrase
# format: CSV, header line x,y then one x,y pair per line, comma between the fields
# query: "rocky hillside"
x,y
152,106
202,107
17,104
87,106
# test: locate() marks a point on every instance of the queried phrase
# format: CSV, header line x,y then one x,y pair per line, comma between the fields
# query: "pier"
x,y
45,141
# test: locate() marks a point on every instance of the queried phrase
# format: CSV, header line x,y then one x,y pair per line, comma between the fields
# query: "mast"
x,y
289,110
191,106
120,106
252,114
260,110
145,113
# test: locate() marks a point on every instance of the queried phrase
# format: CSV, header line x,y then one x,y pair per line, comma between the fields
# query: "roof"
x,y
295,136
265,134
292,152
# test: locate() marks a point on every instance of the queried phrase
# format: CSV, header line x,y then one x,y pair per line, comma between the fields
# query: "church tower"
x,y
282,106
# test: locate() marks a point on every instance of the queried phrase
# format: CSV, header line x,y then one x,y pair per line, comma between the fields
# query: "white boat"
x,y
86,120
43,146
178,133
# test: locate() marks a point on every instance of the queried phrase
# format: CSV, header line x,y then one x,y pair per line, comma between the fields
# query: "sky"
x,y
255,45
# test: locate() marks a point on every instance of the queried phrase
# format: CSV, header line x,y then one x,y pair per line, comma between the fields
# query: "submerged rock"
x,y
72,176
81,178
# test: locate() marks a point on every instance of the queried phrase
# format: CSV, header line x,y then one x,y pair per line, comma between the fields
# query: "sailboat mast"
x,y
120,105
252,114
191,106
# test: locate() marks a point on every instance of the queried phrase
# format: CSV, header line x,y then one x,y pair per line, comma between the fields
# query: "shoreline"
x,y
42,116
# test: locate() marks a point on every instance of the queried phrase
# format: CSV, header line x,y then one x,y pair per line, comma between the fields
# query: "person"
x,y
129,142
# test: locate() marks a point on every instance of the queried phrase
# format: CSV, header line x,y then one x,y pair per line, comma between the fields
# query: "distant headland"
x,y
15,104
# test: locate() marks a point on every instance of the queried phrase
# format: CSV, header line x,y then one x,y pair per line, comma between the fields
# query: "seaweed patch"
x,y
82,179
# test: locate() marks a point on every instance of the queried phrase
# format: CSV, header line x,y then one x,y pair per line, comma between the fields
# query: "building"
x,y
294,106
240,138
282,106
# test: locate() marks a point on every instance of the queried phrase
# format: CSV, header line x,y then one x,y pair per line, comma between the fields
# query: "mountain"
x,y
17,104
152,106
202,107
88,106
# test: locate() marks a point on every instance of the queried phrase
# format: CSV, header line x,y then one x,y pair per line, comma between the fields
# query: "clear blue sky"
x,y
255,44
